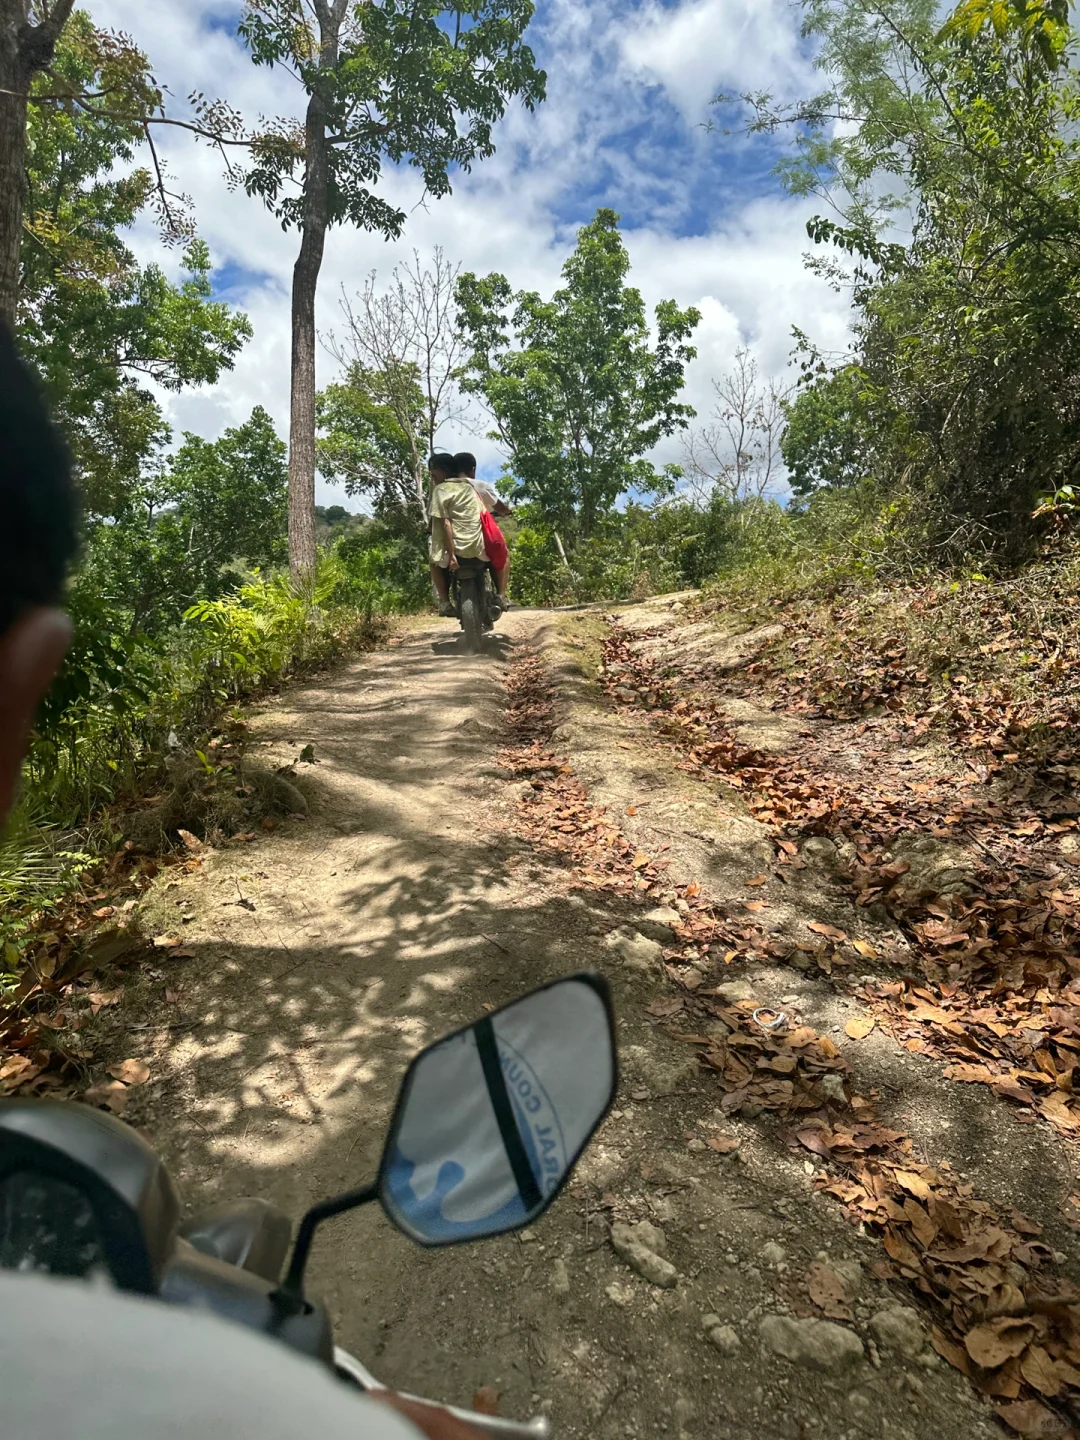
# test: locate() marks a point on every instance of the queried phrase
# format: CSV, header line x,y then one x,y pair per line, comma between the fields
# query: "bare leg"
x,y
438,579
502,579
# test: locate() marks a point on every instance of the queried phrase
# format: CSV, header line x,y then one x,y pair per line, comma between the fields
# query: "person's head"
x,y
442,467
466,464
37,542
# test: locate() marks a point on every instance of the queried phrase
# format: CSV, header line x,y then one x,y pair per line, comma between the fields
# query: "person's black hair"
x,y
446,463
38,534
465,462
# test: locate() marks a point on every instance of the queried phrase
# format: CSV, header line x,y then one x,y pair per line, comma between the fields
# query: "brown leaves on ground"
x,y
131,1072
829,1291
1004,1319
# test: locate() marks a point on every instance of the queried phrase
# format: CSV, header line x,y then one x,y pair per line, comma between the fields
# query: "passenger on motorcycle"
x,y
456,525
494,543
90,1362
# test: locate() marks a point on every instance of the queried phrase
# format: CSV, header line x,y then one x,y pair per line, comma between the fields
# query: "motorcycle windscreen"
x,y
492,1120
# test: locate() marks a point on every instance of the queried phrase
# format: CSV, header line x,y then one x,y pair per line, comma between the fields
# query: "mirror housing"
x,y
102,1169
492,1119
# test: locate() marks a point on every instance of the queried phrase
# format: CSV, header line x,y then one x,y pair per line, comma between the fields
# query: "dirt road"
x,y
326,953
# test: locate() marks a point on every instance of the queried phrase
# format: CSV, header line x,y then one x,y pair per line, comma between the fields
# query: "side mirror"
x,y
491,1121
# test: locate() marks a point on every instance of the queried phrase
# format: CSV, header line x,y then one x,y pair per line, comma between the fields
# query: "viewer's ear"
x,y
30,655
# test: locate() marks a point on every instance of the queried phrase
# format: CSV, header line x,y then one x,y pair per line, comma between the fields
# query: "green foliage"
x,y
124,700
422,81
383,569
97,324
955,171
35,874
362,445
213,512
583,394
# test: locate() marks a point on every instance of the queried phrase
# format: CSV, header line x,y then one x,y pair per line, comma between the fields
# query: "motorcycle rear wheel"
x,y
471,623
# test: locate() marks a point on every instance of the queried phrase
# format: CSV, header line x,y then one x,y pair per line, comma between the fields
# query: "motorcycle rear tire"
x,y
470,621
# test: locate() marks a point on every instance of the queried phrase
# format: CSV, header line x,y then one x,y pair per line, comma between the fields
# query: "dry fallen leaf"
x,y
1029,1418
640,860
1003,1339
755,905
131,1072
723,1144
167,942
102,999
865,949
486,1400
829,931
758,880
191,842
828,1292
105,912
859,1026
1040,1371
110,1093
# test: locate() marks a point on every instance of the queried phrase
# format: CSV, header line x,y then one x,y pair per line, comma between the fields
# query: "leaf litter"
x,y
1003,1316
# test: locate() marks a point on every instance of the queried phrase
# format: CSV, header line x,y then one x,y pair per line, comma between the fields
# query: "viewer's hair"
x,y
465,462
446,463
37,495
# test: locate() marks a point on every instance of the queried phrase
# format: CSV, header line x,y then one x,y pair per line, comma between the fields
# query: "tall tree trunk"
x,y
316,222
24,50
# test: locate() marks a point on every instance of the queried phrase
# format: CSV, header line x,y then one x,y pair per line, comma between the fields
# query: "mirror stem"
x,y
292,1287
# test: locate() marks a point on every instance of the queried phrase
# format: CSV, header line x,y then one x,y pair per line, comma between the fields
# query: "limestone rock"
x,y
659,924
817,1344
725,1338
626,1243
899,1328
636,951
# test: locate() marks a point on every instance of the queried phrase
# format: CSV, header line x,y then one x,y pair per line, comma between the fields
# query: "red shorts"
x,y
494,543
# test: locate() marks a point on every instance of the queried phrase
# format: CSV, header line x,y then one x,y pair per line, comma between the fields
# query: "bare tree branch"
x,y
737,454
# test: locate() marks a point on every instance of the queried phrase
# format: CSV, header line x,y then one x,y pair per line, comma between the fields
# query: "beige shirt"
x,y
456,501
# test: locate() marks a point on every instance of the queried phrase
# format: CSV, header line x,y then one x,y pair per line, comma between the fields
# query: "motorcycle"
x,y
475,602
488,1126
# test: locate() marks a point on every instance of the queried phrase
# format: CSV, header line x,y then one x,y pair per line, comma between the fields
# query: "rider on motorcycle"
x,y
456,525
77,1359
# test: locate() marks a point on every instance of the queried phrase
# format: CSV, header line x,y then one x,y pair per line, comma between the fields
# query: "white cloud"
x,y
704,46
518,211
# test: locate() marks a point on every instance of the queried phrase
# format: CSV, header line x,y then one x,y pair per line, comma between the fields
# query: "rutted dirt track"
x,y
325,954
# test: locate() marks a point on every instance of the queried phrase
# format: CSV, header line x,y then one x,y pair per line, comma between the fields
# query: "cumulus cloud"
x,y
629,81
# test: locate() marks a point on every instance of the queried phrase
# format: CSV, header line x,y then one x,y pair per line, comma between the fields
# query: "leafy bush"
x,y
123,699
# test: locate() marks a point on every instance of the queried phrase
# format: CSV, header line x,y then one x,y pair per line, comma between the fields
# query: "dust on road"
x,y
327,953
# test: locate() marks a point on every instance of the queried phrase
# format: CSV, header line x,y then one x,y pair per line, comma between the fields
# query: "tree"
x,y
371,440
416,80
951,159
738,453
29,33
96,324
585,393
189,530
402,346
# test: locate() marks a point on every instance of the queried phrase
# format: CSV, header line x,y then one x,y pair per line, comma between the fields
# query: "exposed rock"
x,y
899,1328
832,1087
660,1077
620,1294
286,794
659,924
731,991
650,1266
772,1254
635,951
651,1236
725,1338
940,867
817,1344
560,1278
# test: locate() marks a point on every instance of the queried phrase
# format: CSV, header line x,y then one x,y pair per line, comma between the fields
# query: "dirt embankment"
x,y
416,891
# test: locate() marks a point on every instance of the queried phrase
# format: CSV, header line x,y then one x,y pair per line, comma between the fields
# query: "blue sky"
x,y
630,85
